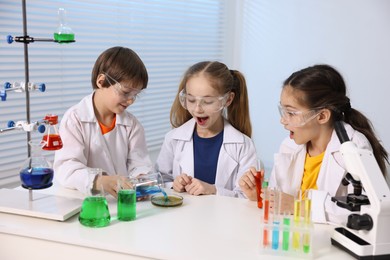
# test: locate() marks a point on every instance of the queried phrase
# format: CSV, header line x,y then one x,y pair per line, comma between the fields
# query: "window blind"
x,y
168,35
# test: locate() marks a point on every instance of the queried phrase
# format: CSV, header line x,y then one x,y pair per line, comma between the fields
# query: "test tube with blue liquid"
x,y
275,219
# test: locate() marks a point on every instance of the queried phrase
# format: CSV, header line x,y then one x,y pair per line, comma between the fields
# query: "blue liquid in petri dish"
x,y
36,177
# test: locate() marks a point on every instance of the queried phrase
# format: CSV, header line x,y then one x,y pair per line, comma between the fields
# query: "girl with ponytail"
x,y
311,101
209,148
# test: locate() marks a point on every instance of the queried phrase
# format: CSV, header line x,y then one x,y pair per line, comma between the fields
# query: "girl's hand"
x,y
198,187
247,183
181,181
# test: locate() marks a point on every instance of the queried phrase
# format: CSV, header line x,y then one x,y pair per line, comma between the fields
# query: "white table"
x,y
204,227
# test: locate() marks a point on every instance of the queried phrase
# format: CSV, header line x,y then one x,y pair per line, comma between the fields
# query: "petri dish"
x,y
173,200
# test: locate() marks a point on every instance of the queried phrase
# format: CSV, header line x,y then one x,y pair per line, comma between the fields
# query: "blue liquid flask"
x,y
148,184
36,172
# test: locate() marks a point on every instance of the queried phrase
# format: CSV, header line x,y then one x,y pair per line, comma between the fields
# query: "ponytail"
x,y
362,124
238,111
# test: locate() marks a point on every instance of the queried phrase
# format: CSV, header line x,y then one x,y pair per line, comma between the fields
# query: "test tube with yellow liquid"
x,y
307,222
296,237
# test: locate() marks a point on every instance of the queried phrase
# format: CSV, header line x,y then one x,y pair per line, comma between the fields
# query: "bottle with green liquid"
x,y
63,33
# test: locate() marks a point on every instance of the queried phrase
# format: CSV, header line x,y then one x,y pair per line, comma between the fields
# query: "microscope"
x,y
367,232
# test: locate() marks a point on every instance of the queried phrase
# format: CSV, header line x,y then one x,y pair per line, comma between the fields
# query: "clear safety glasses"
x,y
126,93
297,118
208,104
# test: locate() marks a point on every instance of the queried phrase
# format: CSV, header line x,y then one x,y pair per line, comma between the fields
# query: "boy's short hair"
x,y
122,64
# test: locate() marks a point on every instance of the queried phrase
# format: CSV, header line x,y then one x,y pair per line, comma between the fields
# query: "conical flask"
x,y
36,172
63,33
51,139
94,210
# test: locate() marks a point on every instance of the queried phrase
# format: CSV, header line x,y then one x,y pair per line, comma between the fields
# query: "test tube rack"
x,y
287,234
287,238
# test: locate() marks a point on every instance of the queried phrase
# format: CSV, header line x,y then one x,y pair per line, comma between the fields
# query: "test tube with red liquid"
x,y
259,180
266,241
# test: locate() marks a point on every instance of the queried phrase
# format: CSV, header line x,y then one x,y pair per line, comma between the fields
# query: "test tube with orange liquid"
x,y
259,180
266,241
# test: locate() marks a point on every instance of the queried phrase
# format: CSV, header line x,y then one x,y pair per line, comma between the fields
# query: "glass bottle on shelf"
x,y
51,138
63,33
36,172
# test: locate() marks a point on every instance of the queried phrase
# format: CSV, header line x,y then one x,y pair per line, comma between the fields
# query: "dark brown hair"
x,y
324,87
123,65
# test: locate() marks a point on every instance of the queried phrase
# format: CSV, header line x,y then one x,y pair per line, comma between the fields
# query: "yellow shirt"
x,y
310,172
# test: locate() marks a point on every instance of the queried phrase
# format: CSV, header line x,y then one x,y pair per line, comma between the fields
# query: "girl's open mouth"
x,y
202,120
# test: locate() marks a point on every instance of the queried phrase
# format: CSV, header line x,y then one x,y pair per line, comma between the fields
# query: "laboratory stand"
x,y
36,172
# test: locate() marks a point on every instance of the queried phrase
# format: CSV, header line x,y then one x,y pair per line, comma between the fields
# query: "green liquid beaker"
x,y
63,37
63,33
126,205
94,212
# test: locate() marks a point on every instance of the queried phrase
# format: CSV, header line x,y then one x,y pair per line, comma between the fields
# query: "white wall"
x,y
279,37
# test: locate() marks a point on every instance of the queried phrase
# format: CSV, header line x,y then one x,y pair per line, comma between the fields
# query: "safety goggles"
x,y
297,118
126,93
207,104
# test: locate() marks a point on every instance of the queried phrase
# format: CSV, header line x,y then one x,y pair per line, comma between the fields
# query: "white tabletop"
x,y
204,227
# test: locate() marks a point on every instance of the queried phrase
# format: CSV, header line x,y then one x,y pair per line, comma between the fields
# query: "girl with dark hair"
x,y
311,100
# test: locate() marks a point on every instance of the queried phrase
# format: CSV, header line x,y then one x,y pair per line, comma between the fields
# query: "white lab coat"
x,y
288,172
236,156
122,151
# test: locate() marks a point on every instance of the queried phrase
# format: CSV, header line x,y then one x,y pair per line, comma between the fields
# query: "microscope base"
x,y
354,245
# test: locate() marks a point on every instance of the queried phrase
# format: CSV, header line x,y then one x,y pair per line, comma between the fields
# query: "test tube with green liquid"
x,y
307,220
286,231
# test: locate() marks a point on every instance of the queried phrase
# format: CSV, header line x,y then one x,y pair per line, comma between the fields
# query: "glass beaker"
x,y
51,138
126,203
63,33
148,184
94,210
36,172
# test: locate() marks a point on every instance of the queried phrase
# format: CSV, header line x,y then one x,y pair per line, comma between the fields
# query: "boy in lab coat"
x,y
99,132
